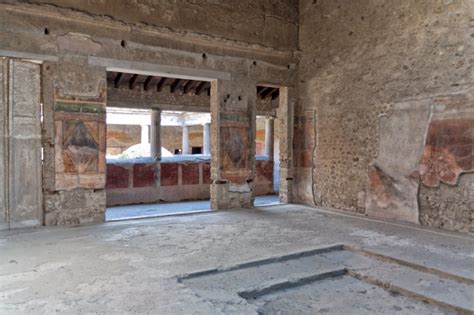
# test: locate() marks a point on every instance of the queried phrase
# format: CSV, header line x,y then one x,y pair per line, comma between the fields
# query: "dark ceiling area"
x,y
175,85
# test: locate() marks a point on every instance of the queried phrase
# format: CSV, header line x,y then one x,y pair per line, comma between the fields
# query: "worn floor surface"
x,y
162,209
151,265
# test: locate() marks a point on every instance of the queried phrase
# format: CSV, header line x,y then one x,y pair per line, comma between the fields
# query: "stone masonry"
x,y
374,113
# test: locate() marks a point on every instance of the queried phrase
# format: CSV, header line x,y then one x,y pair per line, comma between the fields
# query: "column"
x,y
206,146
145,138
285,110
71,78
233,143
155,138
185,140
269,137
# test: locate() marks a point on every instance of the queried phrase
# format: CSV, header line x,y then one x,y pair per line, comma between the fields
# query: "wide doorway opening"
x,y
159,146
267,145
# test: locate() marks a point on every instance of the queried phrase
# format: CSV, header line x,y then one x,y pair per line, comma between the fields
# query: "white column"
x,y
269,137
155,141
185,140
145,138
206,145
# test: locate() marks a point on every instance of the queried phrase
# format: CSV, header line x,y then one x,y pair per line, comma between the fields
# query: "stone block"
x,y
74,207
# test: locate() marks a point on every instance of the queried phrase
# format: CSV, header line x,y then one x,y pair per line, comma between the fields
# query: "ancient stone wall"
x,y
263,22
171,137
74,98
122,137
77,43
382,83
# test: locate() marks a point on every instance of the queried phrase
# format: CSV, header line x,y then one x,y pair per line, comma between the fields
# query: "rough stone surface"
x,y
353,72
78,206
448,208
267,23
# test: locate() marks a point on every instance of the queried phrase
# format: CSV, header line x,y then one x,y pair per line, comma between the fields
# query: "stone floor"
x,y
279,259
163,209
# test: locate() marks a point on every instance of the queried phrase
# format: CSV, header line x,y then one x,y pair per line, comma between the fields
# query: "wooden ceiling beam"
x,y
188,87
117,79
267,92
147,83
276,94
263,90
133,81
175,85
161,84
200,87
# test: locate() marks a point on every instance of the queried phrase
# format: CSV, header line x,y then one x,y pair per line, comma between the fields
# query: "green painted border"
x,y
93,108
233,117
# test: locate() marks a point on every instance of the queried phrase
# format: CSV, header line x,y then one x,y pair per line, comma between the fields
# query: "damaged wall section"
x,y
75,97
382,77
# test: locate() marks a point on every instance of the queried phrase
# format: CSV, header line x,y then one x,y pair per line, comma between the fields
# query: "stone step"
x,y
297,281
270,270
271,276
446,293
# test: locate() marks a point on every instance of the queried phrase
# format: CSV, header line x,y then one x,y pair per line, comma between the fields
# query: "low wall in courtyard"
x,y
171,180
